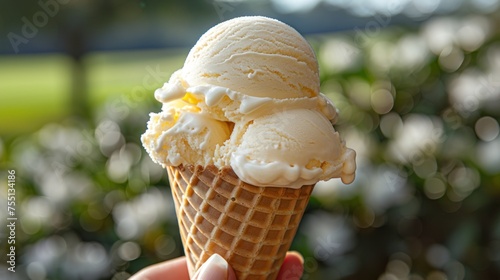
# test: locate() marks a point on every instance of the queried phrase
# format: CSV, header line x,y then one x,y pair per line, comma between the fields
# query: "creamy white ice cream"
x,y
248,97
288,148
257,56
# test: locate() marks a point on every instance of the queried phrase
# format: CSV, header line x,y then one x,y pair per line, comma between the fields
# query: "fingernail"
x,y
215,268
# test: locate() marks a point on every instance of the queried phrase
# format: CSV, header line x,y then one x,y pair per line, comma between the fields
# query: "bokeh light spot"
x,y
439,34
425,167
126,228
97,211
339,55
36,271
364,218
437,255
451,58
330,236
488,156
434,188
436,275
487,128
381,56
129,251
463,180
398,268
359,92
298,6
419,138
37,211
473,33
89,224
109,137
91,252
412,52
118,166
390,123
426,6
382,101
165,245
455,270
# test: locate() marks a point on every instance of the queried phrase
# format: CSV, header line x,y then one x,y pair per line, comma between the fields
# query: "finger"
x,y
292,268
230,274
215,268
164,270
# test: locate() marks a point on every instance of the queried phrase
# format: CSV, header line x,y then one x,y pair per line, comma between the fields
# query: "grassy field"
x,y
36,89
33,90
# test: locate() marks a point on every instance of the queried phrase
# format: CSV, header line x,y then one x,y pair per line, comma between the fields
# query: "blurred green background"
x,y
417,84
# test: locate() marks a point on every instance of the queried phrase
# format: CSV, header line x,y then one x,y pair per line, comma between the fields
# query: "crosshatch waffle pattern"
x,y
251,227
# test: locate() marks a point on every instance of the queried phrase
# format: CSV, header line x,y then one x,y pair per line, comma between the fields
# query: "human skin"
x,y
292,268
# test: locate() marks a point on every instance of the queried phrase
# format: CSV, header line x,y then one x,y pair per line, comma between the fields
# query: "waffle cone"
x,y
251,227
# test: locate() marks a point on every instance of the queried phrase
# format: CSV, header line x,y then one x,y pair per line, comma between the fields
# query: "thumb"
x,y
215,268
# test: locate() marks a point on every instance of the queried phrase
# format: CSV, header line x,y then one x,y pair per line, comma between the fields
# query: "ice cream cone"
x,y
251,227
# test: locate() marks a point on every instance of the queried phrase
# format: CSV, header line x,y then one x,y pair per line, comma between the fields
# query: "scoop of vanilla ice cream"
x,y
298,146
180,134
257,56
